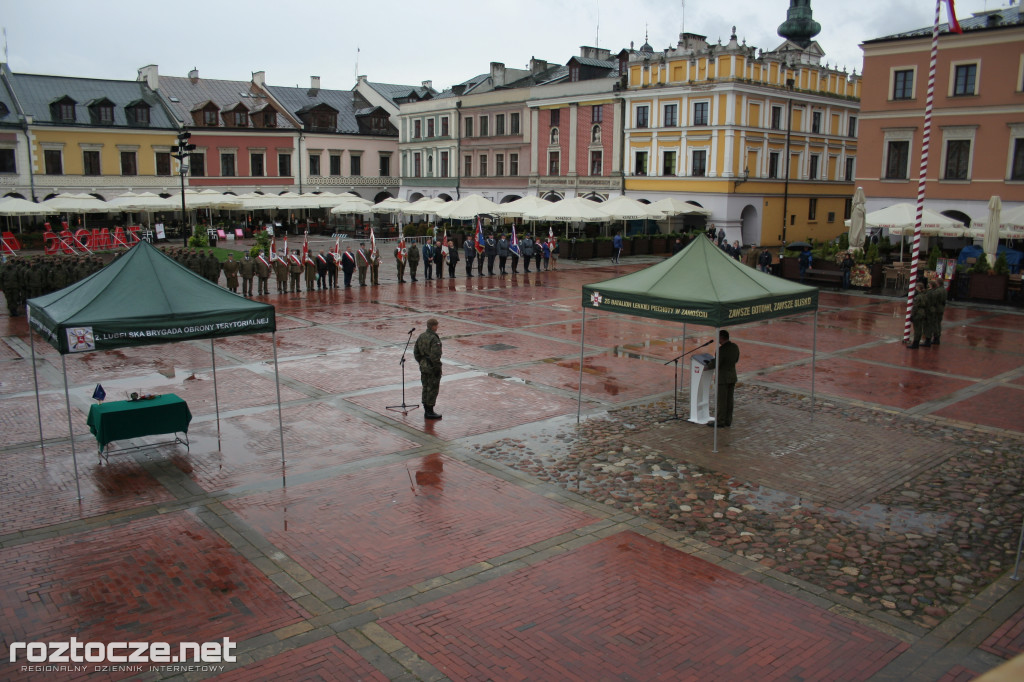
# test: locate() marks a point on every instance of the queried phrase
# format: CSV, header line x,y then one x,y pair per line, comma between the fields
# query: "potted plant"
x,y
602,247
661,243
987,283
581,248
641,244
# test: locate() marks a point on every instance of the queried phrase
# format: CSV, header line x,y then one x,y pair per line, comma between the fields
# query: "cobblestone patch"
x,y
918,549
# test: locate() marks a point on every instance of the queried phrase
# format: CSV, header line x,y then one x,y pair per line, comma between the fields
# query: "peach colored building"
x,y
977,137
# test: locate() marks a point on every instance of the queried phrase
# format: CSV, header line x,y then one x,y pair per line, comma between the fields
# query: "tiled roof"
x,y
8,110
394,92
601,63
183,95
302,99
36,93
1007,16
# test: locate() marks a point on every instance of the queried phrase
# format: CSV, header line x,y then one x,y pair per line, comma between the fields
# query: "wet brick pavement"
x,y
872,539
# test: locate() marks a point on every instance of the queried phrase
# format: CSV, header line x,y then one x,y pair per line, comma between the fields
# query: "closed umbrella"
x,y
857,220
990,242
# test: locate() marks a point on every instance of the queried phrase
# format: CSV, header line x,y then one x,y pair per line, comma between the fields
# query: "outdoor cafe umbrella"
x,y
625,208
673,206
389,205
990,242
467,208
857,220
516,209
424,206
16,206
574,210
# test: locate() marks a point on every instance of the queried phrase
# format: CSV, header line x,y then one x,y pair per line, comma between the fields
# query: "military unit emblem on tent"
x,y
595,298
80,339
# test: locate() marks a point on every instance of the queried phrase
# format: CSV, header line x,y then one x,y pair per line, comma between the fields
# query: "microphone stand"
x,y
403,408
675,377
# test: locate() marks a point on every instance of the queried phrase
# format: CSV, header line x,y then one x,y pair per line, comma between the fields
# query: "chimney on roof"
x,y
259,78
458,89
429,85
360,79
497,74
193,75
598,53
537,66
314,83
151,75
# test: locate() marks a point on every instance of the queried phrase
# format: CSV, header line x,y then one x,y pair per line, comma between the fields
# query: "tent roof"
x,y
701,285
143,298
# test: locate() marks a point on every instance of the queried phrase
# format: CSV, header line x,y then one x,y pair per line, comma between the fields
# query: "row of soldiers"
x,y
27,277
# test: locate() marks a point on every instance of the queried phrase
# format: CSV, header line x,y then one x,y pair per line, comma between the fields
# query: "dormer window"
x,y
209,117
239,119
574,72
269,119
63,110
105,114
205,114
137,113
67,112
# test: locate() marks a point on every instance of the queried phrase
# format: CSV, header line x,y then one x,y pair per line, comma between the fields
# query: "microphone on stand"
x,y
412,330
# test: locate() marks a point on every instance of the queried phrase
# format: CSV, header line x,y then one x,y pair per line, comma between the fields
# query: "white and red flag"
x,y
273,247
285,247
514,244
479,235
373,242
954,25
305,246
401,246
444,243
337,245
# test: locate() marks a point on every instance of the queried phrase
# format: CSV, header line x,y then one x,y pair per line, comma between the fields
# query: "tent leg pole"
x,y
216,399
71,431
685,381
35,382
714,447
280,419
814,357
579,395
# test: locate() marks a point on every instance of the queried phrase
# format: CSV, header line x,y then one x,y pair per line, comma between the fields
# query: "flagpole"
x,y
922,180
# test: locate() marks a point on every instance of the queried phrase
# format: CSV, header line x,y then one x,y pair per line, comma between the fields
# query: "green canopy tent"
x,y
144,298
700,285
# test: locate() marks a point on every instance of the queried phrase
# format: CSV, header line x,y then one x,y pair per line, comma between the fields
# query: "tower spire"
x,y
799,27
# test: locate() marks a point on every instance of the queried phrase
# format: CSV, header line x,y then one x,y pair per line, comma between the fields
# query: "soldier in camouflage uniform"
x,y
427,352
230,268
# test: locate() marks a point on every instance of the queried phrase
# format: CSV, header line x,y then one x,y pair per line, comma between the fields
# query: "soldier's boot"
x,y
429,412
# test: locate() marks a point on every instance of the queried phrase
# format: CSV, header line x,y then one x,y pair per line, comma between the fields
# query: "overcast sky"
x,y
401,41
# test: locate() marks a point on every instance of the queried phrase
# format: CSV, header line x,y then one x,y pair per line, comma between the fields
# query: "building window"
x,y
851,127
53,162
67,112
334,164
815,121
469,126
499,164
128,165
642,116
699,167
499,124
467,166
597,113
553,163
355,165
417,165
903,84
7,163
430,165
668,163
384,165
483,165
513,164
256,168
812,170
773,165
91,162
848,176
1017,165
141,115
847,208
964,79
314,164
554,136
430,127
105,114
163,163
513,123
596,162
227,165
595,135
897,160
197,165
958,159
444,127
671,115
700,113
812,208
556,115
484,126
640,163
209,117
416,128
776,123
284,165
444,164
241,119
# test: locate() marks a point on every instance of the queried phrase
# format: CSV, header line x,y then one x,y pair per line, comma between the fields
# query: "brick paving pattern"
x,y
999,406
386,528
1008,640
628,608
328,660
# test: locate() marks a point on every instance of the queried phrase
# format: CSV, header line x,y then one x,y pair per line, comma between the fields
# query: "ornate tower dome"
x,y
799,26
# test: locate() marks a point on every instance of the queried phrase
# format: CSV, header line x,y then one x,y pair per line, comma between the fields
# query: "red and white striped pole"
x,y
922,180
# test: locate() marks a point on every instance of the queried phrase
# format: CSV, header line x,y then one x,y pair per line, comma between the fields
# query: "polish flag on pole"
x,y
337,245
373,242
305,246
444,243
285,247
954,25
273,247
401,246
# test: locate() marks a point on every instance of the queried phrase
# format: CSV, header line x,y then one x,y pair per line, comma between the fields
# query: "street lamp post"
x,y
789,130
182,151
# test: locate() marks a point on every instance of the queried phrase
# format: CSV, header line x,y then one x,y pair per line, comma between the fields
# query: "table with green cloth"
x,y
123,419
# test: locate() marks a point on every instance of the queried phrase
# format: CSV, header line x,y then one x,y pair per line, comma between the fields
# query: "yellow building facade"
x,y
753,136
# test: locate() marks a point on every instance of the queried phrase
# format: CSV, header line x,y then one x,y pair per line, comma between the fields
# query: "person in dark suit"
x,y
348,265
728,356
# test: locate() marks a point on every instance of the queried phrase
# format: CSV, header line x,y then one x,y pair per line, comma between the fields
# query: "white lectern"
x,y
700,387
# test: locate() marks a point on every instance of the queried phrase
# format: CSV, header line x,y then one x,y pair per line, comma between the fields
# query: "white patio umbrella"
x,y
858,216
626,208
516,209
674,206
899,219
352,204
389,205
18,206
467,208
575,210
990,242
75,203
424,206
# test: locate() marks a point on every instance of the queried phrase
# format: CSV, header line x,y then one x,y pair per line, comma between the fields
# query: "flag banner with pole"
x,y
444,243
514,244
373,242
551,235
305,246
954,25
99,394
479,235
337,245
273,246
285,247
401,246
